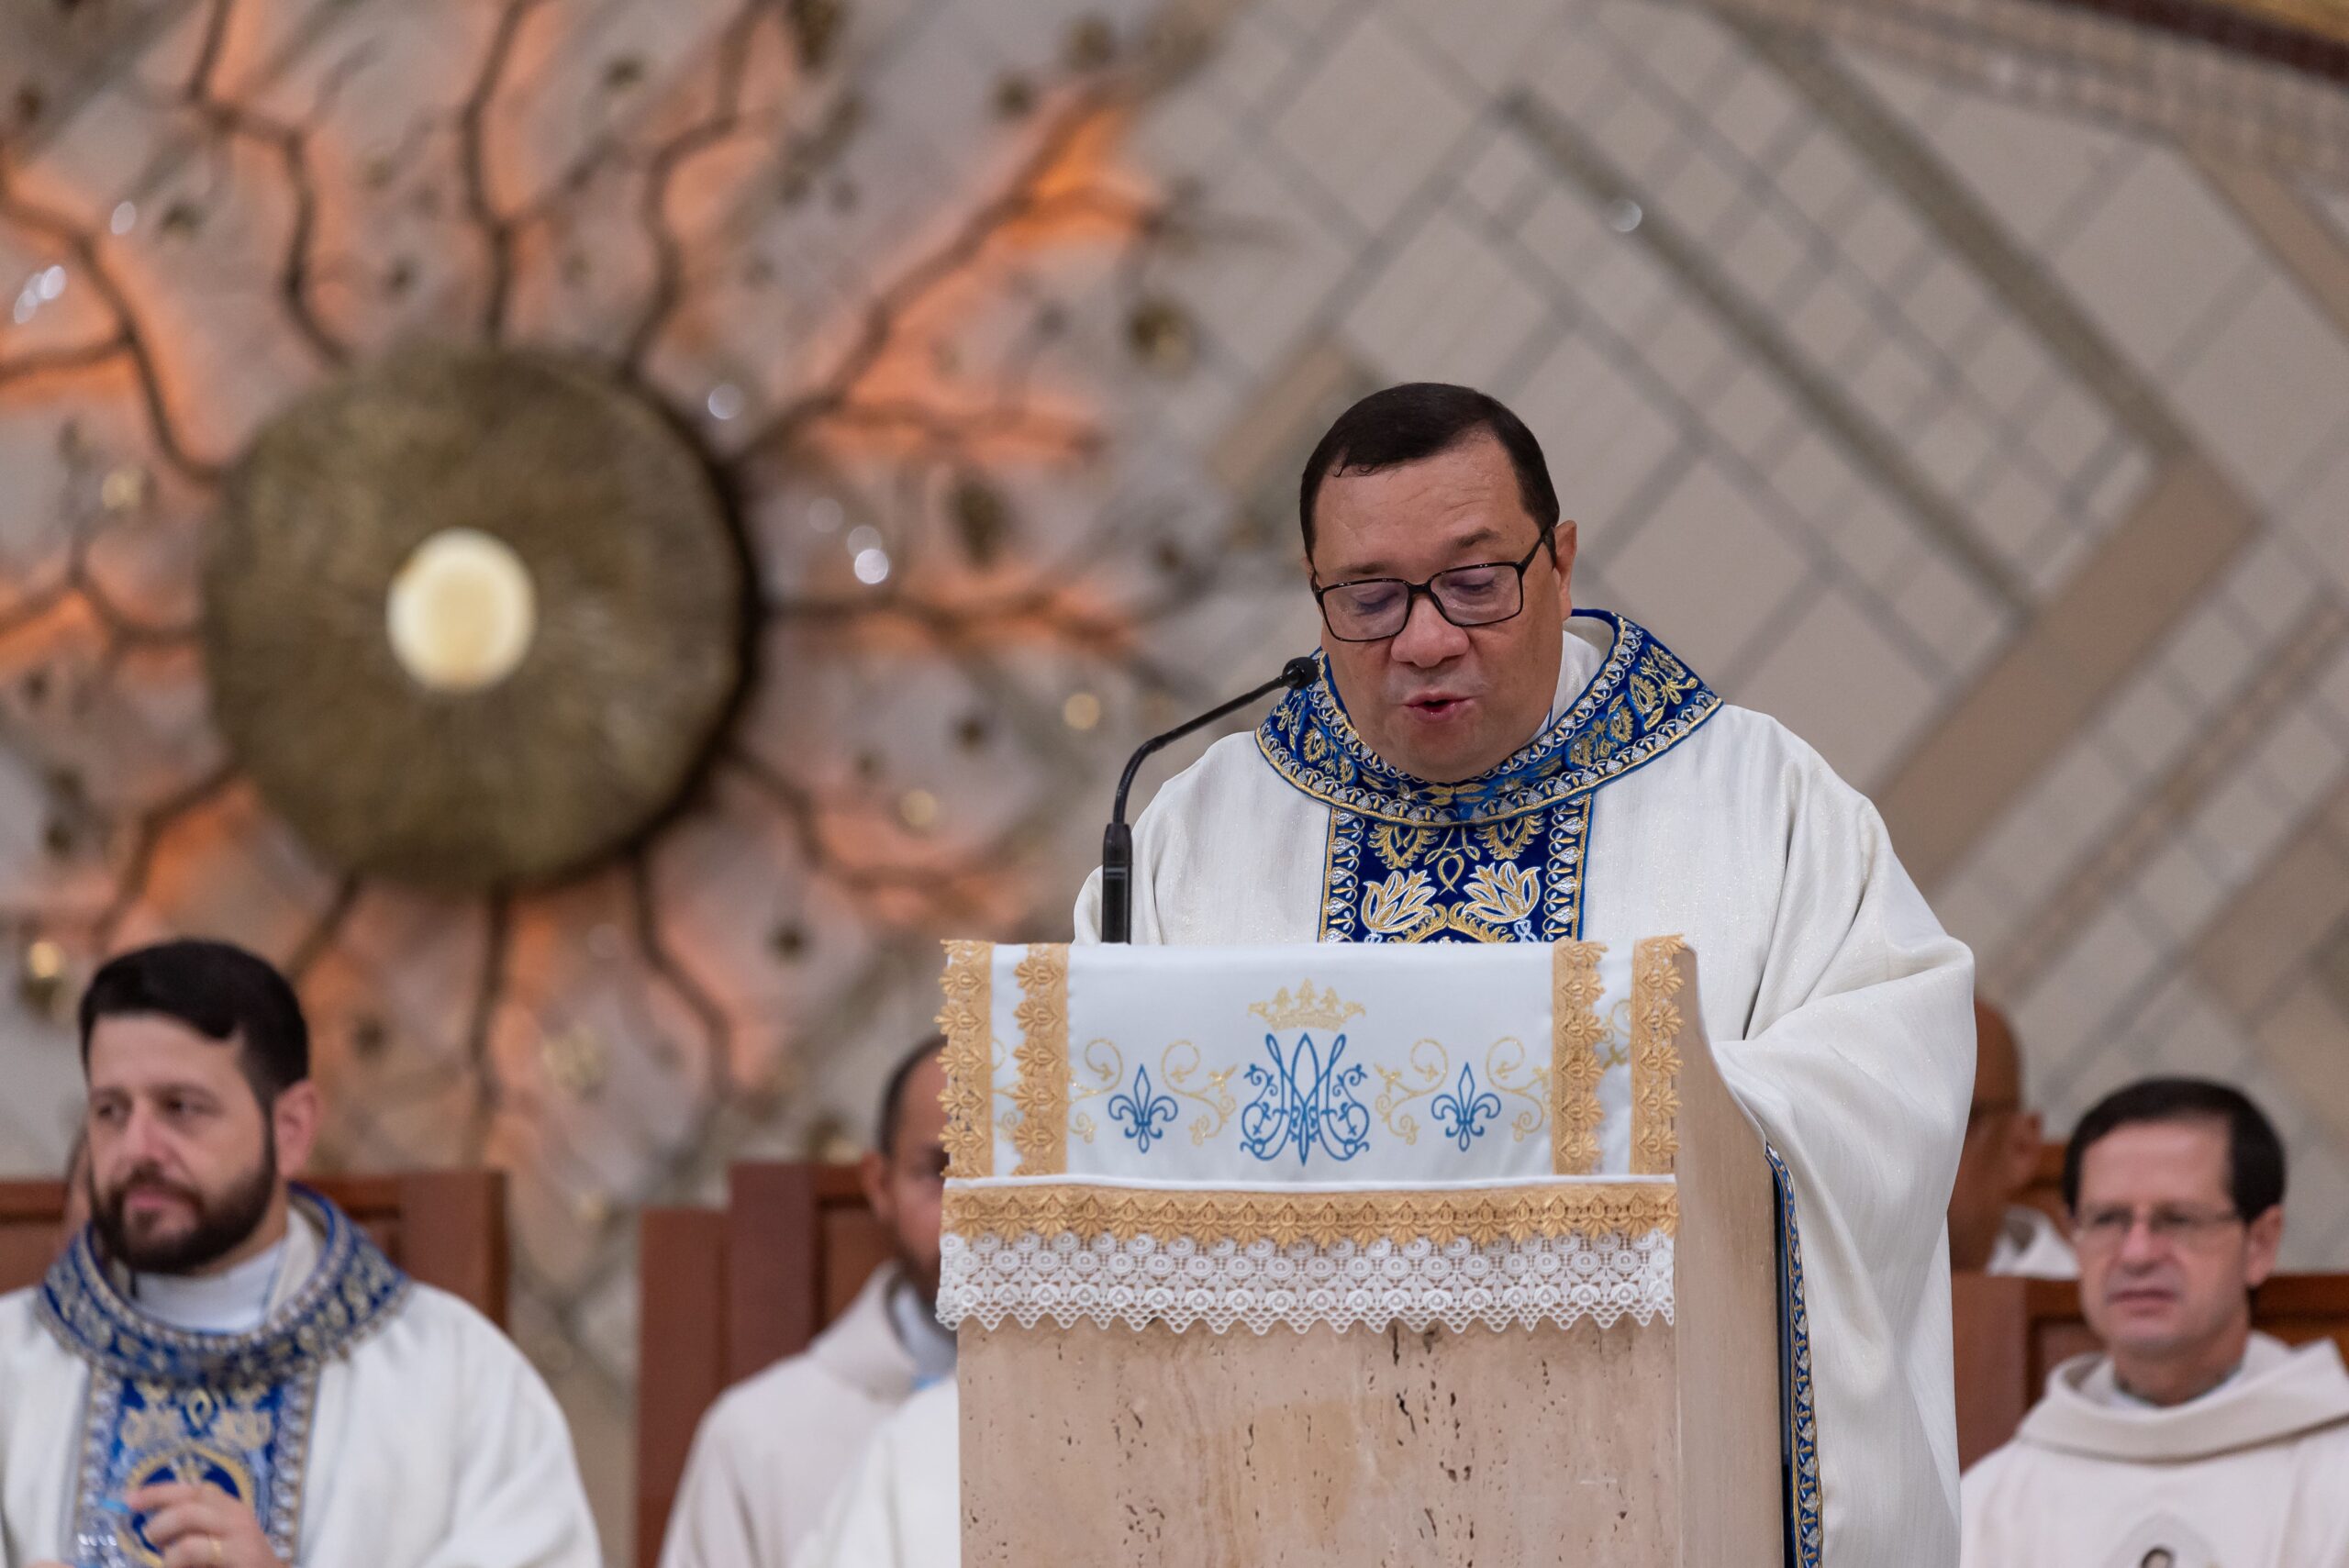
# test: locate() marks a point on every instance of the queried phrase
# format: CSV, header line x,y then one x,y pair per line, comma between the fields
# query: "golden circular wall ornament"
x,y
472,617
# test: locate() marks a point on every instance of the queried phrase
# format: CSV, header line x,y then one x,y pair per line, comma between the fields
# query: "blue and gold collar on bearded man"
x,y
232,1410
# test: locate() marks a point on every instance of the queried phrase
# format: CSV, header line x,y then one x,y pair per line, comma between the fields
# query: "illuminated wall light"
x,y
869,553
124,489
463,611
725,400
1082,711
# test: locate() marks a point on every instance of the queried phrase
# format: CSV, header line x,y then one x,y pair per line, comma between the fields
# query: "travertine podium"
x,y
1359,1255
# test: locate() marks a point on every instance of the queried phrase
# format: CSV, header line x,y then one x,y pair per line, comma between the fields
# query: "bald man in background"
x,y
1988,1231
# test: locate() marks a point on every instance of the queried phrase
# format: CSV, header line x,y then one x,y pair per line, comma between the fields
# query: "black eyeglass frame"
x,y
1411,592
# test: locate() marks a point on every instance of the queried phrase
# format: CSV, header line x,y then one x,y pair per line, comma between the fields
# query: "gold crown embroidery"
x,y
1308,1009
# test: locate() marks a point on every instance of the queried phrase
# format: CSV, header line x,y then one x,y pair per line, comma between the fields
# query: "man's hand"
x,y
202,1527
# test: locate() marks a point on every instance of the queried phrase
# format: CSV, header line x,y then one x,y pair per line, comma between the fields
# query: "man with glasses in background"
x,y
2190,1441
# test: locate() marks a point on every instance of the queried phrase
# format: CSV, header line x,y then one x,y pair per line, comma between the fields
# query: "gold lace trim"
x,y
1481,1215
1656,1055
967,1020
1042,1133
1574,1064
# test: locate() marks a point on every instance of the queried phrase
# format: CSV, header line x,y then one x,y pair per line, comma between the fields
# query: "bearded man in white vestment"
x,y
1479,763
774,1449
2191,1441
222,1370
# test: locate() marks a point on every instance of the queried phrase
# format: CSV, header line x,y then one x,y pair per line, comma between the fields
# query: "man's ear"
x,y
873,1175
2018,1163
1563,539
295,1120
2262,1239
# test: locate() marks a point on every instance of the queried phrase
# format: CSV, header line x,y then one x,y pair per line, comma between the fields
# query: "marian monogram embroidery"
x,y
1500,858
1305,1101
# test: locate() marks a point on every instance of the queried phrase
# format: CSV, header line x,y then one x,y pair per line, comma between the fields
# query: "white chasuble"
x,y
901,1507
2251,1474
368,1420
771,1453
1840,1011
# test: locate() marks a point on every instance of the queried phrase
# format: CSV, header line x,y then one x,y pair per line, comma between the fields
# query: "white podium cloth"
x,y
1335,1134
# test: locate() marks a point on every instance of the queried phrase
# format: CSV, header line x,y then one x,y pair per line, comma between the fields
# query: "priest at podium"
x,y
1479,762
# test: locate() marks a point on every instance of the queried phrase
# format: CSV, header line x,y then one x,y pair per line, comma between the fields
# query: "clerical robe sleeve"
x,y
1857,1061
518,1501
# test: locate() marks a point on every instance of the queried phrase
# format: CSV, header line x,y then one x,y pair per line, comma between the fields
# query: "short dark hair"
x,y
2254,1154
893,1097
218,990
1418,419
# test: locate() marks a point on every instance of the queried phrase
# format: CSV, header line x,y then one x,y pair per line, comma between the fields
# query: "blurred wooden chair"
x,y
727,1292
2010,1333
445,1227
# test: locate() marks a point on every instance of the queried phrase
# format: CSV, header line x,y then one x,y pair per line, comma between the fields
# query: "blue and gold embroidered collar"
x,y
352,1291
1642,702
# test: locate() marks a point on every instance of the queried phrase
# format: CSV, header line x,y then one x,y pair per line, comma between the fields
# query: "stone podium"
x,y
1363,1255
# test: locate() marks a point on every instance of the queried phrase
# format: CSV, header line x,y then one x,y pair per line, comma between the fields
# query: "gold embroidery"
x,y
1656,1055
1402,901
967,1019
1399,847
1042,1133
1506,841
1503,894
1507,1072
1430,1061
1308,1009
1217,1101
1479,1214
1574,1062
1176,1063
1534,1090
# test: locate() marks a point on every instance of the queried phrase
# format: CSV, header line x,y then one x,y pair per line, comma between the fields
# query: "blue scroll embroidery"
x,y
1806,1512
1462,1111
1142,1110
1304,1102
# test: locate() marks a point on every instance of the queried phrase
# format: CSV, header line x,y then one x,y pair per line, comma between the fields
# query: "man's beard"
x,y
223,1222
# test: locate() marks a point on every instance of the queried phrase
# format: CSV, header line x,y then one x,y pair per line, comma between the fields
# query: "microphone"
x,y
1118,839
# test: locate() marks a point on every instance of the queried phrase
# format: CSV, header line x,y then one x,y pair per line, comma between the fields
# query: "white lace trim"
x,y
1073,1279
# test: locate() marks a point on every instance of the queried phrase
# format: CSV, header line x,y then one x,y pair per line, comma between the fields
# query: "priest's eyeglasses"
x,y
1370,609
2104,1229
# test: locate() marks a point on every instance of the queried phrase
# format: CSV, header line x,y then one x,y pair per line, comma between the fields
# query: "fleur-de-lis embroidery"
x,y
1463,1109
1304,1102
1142,1110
